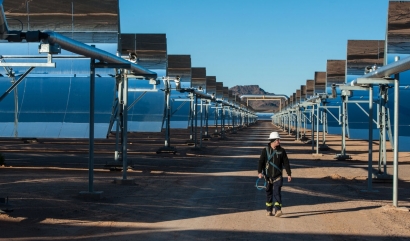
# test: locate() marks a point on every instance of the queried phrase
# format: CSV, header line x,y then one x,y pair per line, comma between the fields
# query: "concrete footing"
x,y
310,142
381,177
404,209
190,142
323,147
124,181
370,191
5,206
167,149
97,195
391,207
341,157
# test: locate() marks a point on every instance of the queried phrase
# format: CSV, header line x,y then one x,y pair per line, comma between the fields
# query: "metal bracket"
x,y
373,81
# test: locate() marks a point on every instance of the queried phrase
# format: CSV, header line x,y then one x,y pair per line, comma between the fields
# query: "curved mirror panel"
x,y
398,44
55,105
335,75
90,21
362,55
146,101
180,66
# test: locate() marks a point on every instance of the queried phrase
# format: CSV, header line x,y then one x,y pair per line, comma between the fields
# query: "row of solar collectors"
x,y
362,56
54,102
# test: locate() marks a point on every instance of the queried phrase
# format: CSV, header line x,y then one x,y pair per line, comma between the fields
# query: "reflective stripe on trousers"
x,y
273,193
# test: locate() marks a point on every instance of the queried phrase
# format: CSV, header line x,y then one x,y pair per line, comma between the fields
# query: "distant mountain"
x,y
257,105
248,90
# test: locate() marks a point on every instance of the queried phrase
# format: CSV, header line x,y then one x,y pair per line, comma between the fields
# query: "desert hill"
x,y
257,105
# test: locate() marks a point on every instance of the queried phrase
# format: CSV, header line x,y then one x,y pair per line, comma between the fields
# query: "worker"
x,y
272,161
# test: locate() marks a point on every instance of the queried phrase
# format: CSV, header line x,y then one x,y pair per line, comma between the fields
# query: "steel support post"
x,y
91,129
370,156
202,122
117,116
285,121
191,116
396,139
317,129
323,146
342,155
382,130
168,113
196,121
283,118
167,148
289,120
324,124
125,124
216,119
344,118
298,123
313,127
303,124
206,119
117,134
16,111
222,121
234,114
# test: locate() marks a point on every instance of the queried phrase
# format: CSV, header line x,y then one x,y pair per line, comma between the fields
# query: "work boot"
x,y
278,213
269,214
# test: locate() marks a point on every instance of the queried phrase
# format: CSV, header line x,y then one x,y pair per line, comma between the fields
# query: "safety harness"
x,y
268,162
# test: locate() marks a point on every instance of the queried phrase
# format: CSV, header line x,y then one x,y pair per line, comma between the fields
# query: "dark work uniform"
x,y
273,176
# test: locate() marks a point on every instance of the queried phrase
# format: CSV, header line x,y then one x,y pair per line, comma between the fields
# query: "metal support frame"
x,y
313,127
15,83
229,118
384,129
234,115
331,114
298,120
201,121
167,148
371,79
304,120
323,146
370,156
346,92
196,121
223,116
216,119
119,114
396,139
369,82
123,111
266,98
343,155
206,135
289,120
317,128
91,129
191,117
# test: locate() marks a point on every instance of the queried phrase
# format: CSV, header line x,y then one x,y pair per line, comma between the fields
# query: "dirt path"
x,y
197,195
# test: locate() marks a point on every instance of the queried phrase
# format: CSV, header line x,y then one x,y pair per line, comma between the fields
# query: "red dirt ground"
x,y
205,194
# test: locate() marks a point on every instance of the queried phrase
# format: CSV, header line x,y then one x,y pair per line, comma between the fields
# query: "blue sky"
x,y
276,44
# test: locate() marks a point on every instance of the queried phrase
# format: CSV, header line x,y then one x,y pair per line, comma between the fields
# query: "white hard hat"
x,y
274,135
